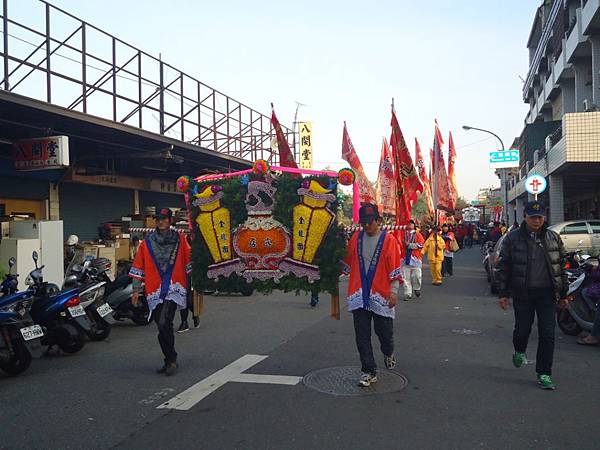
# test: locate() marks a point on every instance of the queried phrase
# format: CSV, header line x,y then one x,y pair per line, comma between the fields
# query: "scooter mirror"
x,y
35,256
11,262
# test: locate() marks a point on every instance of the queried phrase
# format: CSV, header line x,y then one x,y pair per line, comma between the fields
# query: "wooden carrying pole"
x,y
198,304
335,304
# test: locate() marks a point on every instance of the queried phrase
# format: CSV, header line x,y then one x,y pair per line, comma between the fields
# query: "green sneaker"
x,y
519,359
545,382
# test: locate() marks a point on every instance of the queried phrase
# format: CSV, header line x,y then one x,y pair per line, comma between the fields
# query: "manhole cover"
x,y
343,381
466,331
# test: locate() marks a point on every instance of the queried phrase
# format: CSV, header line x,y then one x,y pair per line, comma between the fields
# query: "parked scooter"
x,y
59,313
118,295
581,311
86,278
19,336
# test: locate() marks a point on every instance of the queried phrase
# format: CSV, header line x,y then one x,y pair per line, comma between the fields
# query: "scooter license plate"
x,y
76,311
110,275
32,332
104,310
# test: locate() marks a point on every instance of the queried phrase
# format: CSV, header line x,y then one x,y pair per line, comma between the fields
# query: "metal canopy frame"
x,y
164,99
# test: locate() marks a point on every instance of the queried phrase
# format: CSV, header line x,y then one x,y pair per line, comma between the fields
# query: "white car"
x,y
574,231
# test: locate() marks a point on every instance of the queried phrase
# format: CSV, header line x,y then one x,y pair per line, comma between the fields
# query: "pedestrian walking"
x,y
412,261
434,249
162,263
373,263
531,271
450,247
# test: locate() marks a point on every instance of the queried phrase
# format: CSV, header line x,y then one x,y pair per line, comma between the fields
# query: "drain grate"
x,y
342,381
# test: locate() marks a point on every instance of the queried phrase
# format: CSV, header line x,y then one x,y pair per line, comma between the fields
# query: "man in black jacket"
x,y
531,271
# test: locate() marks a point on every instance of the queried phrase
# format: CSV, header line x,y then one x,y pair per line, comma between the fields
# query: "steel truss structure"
x,y
89,70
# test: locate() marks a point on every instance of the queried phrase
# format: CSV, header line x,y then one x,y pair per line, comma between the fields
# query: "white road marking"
x,y
231,373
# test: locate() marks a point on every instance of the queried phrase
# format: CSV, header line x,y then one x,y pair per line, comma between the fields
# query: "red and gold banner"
x,y
442,196
286,157
408,184
366,191
386,184
420,163
451,170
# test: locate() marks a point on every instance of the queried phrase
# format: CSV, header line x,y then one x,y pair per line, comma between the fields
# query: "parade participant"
x,y
373,263
531,271
449,242
593,293
434,249
411,261
163,264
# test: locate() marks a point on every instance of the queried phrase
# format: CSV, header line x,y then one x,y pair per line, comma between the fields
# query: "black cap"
x,y
163,213
368,212
535,208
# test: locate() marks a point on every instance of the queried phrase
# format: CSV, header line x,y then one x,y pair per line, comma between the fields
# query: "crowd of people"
x,y
381,263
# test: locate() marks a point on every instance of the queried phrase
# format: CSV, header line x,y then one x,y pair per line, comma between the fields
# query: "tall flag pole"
x,y
451,169
420,163
385,191
362,185
286,157
408,184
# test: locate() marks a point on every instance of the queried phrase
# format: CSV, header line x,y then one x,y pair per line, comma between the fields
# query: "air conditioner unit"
x,y
586,105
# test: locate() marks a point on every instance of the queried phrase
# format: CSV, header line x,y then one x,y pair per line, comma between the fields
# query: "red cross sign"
x,y
535,184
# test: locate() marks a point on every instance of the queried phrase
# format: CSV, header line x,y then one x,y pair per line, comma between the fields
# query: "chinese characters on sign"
x,y
306,151
504,159
42,153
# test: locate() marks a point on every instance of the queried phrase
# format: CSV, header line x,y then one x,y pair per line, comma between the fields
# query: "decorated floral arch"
x,y
266,228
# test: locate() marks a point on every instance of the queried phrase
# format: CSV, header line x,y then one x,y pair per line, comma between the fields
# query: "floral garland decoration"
x,y
183,183
261,167
346,177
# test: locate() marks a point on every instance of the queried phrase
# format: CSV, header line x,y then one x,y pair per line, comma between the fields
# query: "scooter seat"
x,y
120,282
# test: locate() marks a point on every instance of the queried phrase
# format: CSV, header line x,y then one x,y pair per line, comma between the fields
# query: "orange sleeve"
x,y
138,269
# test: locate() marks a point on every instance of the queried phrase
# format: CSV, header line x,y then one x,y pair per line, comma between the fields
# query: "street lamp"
x,y
503,173
467,128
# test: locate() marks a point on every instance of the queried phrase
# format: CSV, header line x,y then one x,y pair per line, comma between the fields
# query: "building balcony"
x,y
541,47
590,15
575,38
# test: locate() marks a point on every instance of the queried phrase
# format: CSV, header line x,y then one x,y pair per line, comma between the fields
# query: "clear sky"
x,y
455,60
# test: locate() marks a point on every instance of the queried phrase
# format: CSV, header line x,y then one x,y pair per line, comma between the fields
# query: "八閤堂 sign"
x,y
42,153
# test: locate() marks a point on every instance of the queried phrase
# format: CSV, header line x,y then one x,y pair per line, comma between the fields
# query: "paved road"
x,y
463,391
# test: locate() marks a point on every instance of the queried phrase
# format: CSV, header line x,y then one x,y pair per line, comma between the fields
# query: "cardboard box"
x,y
122,249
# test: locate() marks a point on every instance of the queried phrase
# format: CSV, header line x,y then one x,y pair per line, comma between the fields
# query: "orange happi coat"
x,y
388,269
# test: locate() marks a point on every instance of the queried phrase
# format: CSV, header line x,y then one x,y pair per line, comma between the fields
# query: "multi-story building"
x,y
561,137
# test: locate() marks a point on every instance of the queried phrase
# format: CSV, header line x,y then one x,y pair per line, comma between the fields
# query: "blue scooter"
x,y
60,314
19,336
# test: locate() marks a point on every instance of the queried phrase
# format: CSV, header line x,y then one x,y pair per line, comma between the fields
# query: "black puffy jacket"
x,y
514,259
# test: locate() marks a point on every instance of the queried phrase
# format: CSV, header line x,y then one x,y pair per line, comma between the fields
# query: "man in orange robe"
x,y
163,264
373,263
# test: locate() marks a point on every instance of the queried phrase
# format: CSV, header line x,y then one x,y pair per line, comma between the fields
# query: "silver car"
x,y
580,234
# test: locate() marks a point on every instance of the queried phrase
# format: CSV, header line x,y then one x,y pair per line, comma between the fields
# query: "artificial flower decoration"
x,y
346,177
183,183
261,167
